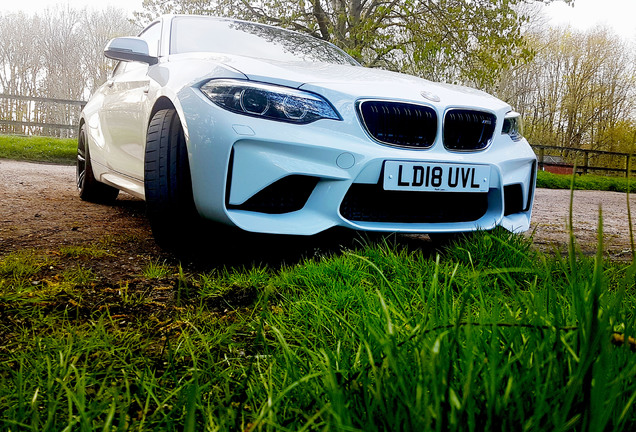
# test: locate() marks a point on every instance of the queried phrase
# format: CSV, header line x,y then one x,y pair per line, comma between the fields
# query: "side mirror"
x,y
129,49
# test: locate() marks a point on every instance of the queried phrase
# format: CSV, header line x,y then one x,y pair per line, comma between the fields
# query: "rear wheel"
x,y
167,181
88,187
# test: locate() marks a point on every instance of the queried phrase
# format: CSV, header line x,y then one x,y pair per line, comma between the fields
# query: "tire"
x,y
88,187
167,182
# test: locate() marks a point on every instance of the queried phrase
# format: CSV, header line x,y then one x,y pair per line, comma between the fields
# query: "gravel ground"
x,y
39,209
551,213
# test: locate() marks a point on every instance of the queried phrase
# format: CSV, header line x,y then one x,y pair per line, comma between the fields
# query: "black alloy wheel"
x,y
88,187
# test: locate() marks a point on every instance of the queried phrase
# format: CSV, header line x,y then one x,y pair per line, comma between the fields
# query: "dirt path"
x,y
39,209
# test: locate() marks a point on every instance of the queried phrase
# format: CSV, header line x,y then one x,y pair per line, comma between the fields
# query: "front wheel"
x,y
167,181
87,185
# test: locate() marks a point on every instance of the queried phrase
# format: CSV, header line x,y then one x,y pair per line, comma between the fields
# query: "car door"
x,y
122,115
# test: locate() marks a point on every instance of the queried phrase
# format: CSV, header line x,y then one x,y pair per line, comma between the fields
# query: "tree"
x,y
579,91
54,54
20,63
454,40
98,27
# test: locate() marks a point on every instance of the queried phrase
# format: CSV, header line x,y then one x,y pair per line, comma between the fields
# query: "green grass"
x,y
582,182
38,149
156,270
488,335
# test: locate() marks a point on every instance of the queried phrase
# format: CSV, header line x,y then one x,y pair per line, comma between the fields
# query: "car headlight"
x,y
269,101
512,125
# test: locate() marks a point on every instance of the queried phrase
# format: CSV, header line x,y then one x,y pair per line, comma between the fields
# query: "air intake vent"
x,y
513,199
371,203
467,130
287,195
400,124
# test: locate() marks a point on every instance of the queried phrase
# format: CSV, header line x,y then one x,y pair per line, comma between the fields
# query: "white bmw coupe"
x,y
274,131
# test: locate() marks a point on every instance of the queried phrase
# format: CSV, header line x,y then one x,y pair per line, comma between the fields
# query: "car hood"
x,y
357,81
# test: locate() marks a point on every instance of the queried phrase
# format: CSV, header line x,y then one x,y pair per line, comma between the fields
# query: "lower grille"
x,y
468,129
284,196
371,203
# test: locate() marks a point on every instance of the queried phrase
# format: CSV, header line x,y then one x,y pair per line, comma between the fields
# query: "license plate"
x,y
432,176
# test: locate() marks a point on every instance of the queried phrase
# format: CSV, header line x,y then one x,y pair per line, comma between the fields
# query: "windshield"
x,y
206,34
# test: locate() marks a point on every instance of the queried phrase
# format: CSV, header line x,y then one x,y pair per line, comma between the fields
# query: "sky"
x,y
616,14
38,5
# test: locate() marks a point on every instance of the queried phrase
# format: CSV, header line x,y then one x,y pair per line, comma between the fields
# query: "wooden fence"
x,y
565,159
30,121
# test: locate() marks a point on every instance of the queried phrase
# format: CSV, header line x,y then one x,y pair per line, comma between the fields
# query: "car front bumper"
x,y
279,178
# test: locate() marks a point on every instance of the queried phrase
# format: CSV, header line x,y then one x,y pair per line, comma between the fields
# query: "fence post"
x,y
541,154
628,165
585,161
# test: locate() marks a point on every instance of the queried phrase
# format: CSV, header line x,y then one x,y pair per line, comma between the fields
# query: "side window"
x,y
152,35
